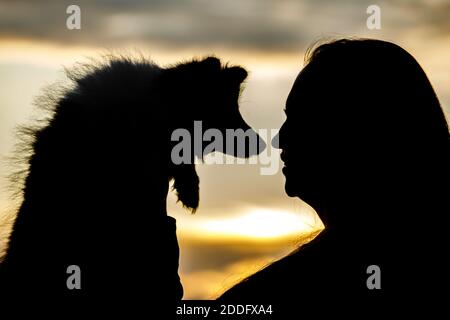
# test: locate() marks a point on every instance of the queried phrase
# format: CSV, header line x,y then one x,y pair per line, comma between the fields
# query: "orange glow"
x,y
259,224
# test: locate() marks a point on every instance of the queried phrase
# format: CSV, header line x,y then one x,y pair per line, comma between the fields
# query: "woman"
x,y
365,144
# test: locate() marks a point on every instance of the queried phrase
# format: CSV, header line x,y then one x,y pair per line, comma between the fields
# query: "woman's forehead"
x,y
300,90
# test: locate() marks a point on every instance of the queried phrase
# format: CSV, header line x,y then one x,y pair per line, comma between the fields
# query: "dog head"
x,y
207,104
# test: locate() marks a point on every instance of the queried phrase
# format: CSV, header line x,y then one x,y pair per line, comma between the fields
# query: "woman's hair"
x,y
379,101
378,83
371,102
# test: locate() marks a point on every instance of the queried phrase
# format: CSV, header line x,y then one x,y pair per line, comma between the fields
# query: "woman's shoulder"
x,y
304,269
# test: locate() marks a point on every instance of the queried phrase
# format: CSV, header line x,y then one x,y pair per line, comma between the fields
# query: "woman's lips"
x,y
283,156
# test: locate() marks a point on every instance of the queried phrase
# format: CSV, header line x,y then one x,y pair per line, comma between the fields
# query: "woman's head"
x,y
366,144
361,116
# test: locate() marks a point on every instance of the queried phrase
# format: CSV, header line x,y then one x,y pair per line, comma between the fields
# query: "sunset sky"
x,y
245,220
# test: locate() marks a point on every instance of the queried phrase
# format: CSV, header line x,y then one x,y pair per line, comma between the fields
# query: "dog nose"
x,y
276,141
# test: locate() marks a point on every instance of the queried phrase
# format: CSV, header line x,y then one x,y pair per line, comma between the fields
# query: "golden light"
x,y
259,224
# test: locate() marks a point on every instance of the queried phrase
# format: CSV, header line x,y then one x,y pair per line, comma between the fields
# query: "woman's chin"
x,y
289,189
294,191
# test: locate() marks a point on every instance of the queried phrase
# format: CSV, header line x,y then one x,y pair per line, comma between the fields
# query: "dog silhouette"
x,y
99,173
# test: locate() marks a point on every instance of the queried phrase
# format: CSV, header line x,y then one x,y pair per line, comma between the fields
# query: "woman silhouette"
x,y
366,144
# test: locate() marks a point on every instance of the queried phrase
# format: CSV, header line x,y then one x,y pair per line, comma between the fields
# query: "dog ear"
x,y
236,74
211,63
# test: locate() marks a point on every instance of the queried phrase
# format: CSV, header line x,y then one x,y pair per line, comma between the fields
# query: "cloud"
x,y
167,23
248,25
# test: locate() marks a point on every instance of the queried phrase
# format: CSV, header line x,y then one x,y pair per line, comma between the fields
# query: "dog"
x,y
99,173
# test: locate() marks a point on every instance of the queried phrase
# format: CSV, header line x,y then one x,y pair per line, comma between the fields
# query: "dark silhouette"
x,y
366,144
99,173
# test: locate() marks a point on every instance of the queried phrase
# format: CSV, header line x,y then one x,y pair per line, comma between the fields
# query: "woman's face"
x,y
301,140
